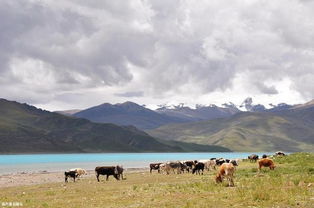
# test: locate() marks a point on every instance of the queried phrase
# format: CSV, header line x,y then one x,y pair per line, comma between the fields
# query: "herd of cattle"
x,y
226,168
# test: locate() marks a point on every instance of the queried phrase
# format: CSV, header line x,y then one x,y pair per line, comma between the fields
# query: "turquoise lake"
x,y
61,162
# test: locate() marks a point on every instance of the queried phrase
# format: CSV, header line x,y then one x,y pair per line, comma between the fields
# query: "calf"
x,y
80,172
72,174
225,170
155,166
265,162
198,168
107,170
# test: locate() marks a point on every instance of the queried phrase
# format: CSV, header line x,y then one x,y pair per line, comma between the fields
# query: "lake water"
x,y
61,162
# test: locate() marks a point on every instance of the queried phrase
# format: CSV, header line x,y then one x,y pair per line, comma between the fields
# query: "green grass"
x,y
291,184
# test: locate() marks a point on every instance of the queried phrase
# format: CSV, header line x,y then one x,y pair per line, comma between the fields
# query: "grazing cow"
x,y
80,172
184,167
162,167
265,162
198,168
107,170
234,162
71,174
220,161
155,166
172,166
280,153
225,170
190,164
264,156
253,157
209,164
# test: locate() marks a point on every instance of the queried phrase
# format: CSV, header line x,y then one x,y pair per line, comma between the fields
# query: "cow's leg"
x,y
74,178
107,176
151,170
231,183
117,177
97,176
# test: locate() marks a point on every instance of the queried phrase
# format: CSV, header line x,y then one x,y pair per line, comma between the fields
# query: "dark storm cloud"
x,y
54,48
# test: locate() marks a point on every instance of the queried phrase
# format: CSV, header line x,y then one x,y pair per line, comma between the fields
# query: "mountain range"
x,y
27,129
288,128
130,113
127,113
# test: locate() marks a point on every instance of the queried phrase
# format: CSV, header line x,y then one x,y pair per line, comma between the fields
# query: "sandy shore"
x,y
25,179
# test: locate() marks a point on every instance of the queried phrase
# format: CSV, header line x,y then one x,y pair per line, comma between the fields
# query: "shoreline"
x,y
43,177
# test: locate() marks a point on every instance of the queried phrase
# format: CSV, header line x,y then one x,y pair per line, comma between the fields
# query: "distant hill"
x,y
287,130
127,113
26,129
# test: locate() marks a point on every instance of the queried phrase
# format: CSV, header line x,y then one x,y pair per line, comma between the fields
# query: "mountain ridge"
x,y
27,129
247,131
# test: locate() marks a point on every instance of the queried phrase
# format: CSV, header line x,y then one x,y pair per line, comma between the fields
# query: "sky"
x,y
74,54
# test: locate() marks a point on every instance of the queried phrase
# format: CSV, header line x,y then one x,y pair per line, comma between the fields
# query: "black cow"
x,y
264,156
190,164
72,174
120,172
253,157
220,161
107,170
198,168
184,167
280,153
155,166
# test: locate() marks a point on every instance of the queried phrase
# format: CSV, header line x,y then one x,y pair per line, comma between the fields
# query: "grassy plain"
x,y
291,184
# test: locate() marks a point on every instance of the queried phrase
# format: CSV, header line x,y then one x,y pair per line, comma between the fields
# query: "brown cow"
x,y
265,162
225,170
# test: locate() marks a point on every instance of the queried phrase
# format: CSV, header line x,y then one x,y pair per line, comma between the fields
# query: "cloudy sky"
x,y
76,53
